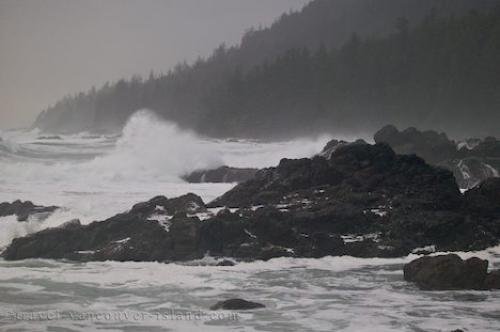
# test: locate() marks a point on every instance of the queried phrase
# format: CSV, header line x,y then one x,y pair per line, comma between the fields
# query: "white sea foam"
x,y
94,177
330,293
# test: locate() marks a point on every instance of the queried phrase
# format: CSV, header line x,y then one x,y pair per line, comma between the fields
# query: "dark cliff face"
x,y
365,201
308,72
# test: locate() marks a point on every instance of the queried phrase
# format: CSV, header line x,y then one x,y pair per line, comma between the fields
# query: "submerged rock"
x,y
446,272
236,304
23,210
223,174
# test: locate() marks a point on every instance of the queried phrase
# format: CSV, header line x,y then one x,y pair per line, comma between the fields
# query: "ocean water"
x,y
93,177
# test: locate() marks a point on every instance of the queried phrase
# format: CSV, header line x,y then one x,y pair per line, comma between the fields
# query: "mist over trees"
x,y
343,65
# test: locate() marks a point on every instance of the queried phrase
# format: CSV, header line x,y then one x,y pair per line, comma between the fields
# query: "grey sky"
x,y
50,48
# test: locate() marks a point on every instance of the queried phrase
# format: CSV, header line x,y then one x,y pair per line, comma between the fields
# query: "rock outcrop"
x,y
471,161
23,210
364,201
223,174
431,146
157,230
446,272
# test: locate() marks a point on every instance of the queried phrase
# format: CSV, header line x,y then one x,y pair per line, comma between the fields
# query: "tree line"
x,y
442,73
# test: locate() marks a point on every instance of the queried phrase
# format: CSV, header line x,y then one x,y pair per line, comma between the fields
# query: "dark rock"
x,y
125,237
188,203
471,161
327,245
270,184
223,174
147,208
447,272
485,197
224,234
236,304
272,251
141,240
74,223
23,210
390,204
226,262
331,147
185,233
430,145
492,280
471,171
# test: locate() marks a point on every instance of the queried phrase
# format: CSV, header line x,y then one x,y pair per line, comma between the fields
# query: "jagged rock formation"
x,y
147,232
364,201
471,161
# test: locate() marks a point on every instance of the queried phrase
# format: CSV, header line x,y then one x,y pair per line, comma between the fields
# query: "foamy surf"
x,y
93,177
326,294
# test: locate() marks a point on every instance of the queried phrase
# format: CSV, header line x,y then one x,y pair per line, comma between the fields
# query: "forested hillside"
x,y
340,65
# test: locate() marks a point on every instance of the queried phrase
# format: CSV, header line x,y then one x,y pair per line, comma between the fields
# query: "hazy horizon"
x,y
53,48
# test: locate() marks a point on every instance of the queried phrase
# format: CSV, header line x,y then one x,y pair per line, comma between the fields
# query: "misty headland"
x,y
337,170
334,66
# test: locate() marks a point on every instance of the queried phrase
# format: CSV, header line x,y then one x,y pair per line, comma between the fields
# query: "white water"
x,y
94,177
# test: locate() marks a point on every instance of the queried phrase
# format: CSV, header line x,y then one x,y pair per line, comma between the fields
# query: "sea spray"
x,y
93,177
154,149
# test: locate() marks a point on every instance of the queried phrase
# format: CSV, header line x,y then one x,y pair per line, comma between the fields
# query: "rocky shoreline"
x,y
363,201
471,161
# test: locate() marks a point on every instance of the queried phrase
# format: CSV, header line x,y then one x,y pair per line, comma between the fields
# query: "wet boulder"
x,y
447,272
